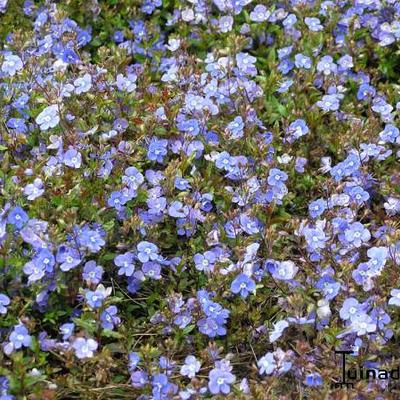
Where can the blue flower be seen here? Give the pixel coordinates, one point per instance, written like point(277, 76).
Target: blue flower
point(314, 24)
point(283, 270)
point(317, 208)
point(4, 382)
point(20, 337)
point(94, 298)
point(125, 264)
point(178, 210)
point(109, 317)
point(173, 44)
point(84, 348)
point(362, 274)
point(84, 84)
point(250, 225)
point(68, 257)
point(245, 63)
point(390, 134)
point(84, 36)
point(358, 195)
point(72, 158)
point(126, 84)
point(356, 234)
point(365, 92)
point(380, 316)
point(215, 310)
point(17, 217)
point(34, 190)
point(133, 178)
point(48, 118)
point(326, 65)
point(276, 177)
point(302, 61)
point(35, 272)
point(392, 206)
point(235, 128)
point(156, 205)
point(395, 299)
point(300, 164)
point(4, 302)
point(157, 149)
point(90, 239)
point(139, 379)
point(278, 330)
point(329, 102)
point(118, 36)
point(316, 238)
point(243, 284)
point(183, 320)
point(345, 62)
point(259, 13)
point(44, 258)
point(285, 86)
point(378, 257)
point(134, 359)
point(220, 381)
point(313, 379)
point(117, 200)
point(11, 64)
point(225, 161)
point(285, 52)
point(362, 324)
point(380, 106)
point(297, 129)
point(190, 367)
point(330, 288)
point(285, 66)
point(181, 183)
point(350, 308)
point(147, 251)
point(162, 388)
point(18, 124)
point(152, 270)
point(190, 126)
point(289, 21)
point(267, 364)
point(120, 125)
point(92, 273)
point(205, 262)
point(67, 330)
point(210, 327)
point(69, 56)
point(225, 23)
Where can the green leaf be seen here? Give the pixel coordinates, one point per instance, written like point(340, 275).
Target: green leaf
point(111, 334)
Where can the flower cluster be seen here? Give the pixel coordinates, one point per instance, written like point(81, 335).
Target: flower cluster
point(198, 198)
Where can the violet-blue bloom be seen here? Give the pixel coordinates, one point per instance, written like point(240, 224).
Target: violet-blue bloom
point(17, 217)
point(243, 284)
point(4, 302)
point(220, 381)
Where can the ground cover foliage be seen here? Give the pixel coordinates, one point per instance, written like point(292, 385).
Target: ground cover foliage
point(199, 199)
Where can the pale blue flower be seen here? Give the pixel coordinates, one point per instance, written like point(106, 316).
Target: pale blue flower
point(11, 64)
point(48, 118)
point(83, 84)
point(84, 348)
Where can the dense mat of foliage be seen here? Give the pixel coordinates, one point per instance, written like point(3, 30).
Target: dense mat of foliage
point(199, 198)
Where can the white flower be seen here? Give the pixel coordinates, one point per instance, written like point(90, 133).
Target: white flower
point(173, 44)
point(323, 310)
